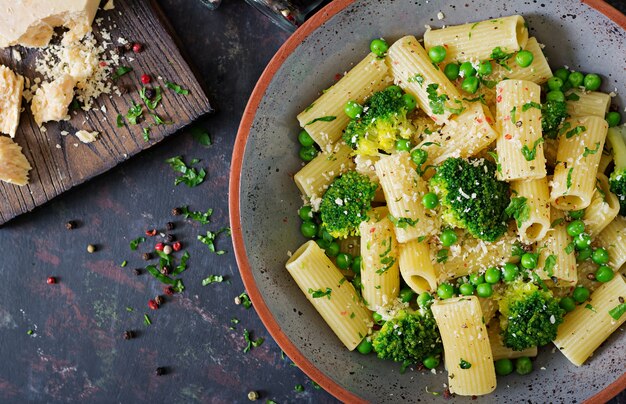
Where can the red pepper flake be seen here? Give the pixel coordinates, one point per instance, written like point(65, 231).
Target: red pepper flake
point(168, 290)
point(159, 246)
point(177, 246)
point(51, 280)
point(508, 136)
point(146, 79)
point(153, 304)
point(489, 120)
point(499, 98)
point(338, 76)
point(479, 120)
point(103, 63)
point(373, 229)
point(137, 47)
point(151, 233)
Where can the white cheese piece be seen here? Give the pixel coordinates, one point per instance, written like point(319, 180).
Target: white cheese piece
point(31, 23)
point(13, 164)
point(11, 86)
point(109, 5)
point(87, 137)
point(51, 101)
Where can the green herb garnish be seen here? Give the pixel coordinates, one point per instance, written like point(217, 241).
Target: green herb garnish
point(135, 243)
point(146, 134)
point(120, 71)
point(135, 112)
point(201, 136)
point(154, 101)
point(463, 364)
point(120, 120)
point(518, 208)
point(436, 102)
point(617, 311)
point(316, 294)
point(245, 300)
point(250, 343)
point(190, 176)
point(589, 151)
point(576, 131)
point(530, 105)
point(183, 264)
point(212, 279)
point(202, 218)
point(569, 178)
point(549, 265)
point(530, 154)
point(146, 320)
point(329, 118)
point(178, 89)
point(209, 239)
point(402, 222)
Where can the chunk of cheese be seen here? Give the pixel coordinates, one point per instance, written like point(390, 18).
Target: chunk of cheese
point(86, 136)
point(13, 164)
point(31, 23)
point(51, 101)
point(11, 87)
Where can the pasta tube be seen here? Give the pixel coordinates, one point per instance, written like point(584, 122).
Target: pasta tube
point(603, 208)
point(416, 268)
point(533, 216)
point(315, 177)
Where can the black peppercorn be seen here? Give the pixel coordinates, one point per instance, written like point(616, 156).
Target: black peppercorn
point(149, 93)
point(137, 271)
point(160, 371)
point(169, 238)
point(71, 225)
point(177, 211)
point(128, 47)
point(169, 226)
point(146, 256)
point(129, 335)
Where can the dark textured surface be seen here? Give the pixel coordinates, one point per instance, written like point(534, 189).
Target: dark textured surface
point(77, 351)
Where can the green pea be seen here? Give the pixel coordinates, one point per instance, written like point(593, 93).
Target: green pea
point(403, 145)
point(604, 274)
point(308, 229)
point(510, 272)
point(567, 303)
point(377, 318)
point(492, 275)
point(523, 365)
point(503, 367)
point(448, 237)
point(332, 250)
point(406, 295)
point(575, 228)
point(529, 260)
point(419, 156)
point(524, 58)
point(343, 260)
point(577, 214)
point(305, 212)
point(555, 83)
point(600, 256)
point(365, 347)
point(396, 90)
point(409, 102)
point(424, 299)
point(484, 290)
point(451, 71)
point(613, 118)
point(555, 95)
point(379, 47)
point(307, 153)
point(484, 68)
point(445, 291)
point(356, 264)
point(467, 70)
point(430, 200)
point(582, 241)
point(437, 53)
point(575, 79)
point(305, 139)
point(562, 73)
point(431, 362)
point(470, 84)
point(353, 109)
point(584, 254)
point(580, 294)
point(592, 82)
point(466, 289)
point(476, 279)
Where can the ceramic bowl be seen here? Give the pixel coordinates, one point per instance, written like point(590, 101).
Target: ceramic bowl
point(588, 36)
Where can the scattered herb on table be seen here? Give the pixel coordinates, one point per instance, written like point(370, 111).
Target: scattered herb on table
point(134, 113)
point(209, 239)
point(251, 343)
point(30, 332)
point(201, 136)
point(212, 279)
point(124, 263)
point(189, 176)
point(202, 218)
point(151, 102)
point(146, 320)
point(146, 134)
point(120, 71)
point(135, 243)
point(244, 300)
point(120, 120)
point(299, 388)
point(159, 121)
point(129, 309)
point(178, 89)
point(183, 264)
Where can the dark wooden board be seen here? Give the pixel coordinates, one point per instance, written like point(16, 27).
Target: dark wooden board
point(59, 168)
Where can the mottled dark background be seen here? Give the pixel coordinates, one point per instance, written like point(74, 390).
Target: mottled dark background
point(76, 352)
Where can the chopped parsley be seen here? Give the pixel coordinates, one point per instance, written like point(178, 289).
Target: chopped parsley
point(589, 151)
point(569, 178)
point(572, 97)
point(209, 239)
point(442, 255)
point(245, 300)
point(201, 136)
point(30, 332)
point(120, 120)
point(183, 264)
point(190, 176)
point(154, 101)
point(548, 266)
point(530, 105)
point(212, 279)
point(146, 320)
point(495, 157)
point(570, 248)
point(530, 154)
point(146, 134)
point(463, 364)
point(588, 306)
point(480, 98)
point(177, 284)
point(202, 218)
point(513, 111)
point(120, 71)
point(329, 118)
point(134, 113)
point(124, 263)
point(316, 294)
point(159, 121)
point(617, 311)
point(418, 78)
point(178, 89)
point(500, 57)
point(436, 102)
point(135, 243)
point(576, 131)
point(299, 388)
point(250, 343)
point(402, 222)
point(557, 222)
point(518, 208)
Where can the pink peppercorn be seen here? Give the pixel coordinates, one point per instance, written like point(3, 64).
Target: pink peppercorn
point(146, 79)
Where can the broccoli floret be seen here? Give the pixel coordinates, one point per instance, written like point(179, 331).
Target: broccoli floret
point(552, 115)
point(530, 316)
point(409, 337)
point(471, 197)
point(346, 203)
point(617, 181)
point(383, 121)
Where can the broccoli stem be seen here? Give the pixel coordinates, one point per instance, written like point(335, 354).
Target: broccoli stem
point(617, 138)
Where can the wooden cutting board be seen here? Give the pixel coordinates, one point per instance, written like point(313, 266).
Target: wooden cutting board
point(61, 162)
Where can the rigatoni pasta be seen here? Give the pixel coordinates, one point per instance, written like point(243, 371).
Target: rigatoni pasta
point(557, 261)
point(585, 103)
point(603, 208)
point(314, 178)
point(533, 218)
point(416, 268)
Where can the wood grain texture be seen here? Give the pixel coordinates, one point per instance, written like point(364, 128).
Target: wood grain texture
point(61, 162)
